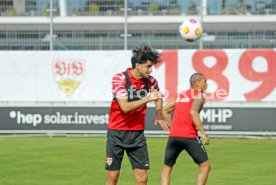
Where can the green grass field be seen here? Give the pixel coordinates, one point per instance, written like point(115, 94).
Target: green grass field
point(80, 161)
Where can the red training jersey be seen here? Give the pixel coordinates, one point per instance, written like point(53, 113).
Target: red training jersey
point(182, 123)
point(134, 120)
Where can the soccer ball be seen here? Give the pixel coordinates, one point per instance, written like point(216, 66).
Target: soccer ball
point(190, 30)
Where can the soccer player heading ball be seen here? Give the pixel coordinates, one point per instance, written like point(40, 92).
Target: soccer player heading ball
point(132, 90)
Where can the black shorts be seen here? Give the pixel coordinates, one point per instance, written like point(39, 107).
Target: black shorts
point(133, 142)
point(193, 146)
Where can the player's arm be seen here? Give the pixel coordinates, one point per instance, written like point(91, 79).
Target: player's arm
point(159, 118)
point(120, 92)
point(130, 106)
point(167, 109)
point(194, 112)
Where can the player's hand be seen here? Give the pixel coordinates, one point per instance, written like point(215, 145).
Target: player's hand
point(163, 124)
point(206, 140)
point(154, 95)
point(161, 121)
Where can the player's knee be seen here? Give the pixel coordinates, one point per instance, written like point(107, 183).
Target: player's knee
point(142, 178)
point(166, 170)
point(205, 166)
point(113, 177)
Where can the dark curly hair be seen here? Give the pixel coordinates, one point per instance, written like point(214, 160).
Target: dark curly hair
point(142, 53)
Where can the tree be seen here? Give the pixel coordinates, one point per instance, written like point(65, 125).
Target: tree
point(241, 7)
point(75, 10)
point(153, 8)
point(10, 12)
point(93, 9)
point(192, 9)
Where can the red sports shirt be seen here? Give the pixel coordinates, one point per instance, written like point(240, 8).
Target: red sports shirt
point(134, 120)
point(182, 123)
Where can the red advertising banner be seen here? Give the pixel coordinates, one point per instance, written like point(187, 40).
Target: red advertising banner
point(233, 75)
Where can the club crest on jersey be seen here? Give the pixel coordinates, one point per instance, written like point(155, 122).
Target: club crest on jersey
point(109, 161)
point(68, 74)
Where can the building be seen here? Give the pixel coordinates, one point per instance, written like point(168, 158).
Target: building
point(100, 25)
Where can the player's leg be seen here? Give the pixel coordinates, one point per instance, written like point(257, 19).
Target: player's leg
point(165, 176)
point(114, 157)
point(137, 152)
point(173, 149)
point(139, 160)
point(112, 177)
point(141, 176)
point(204, 169)
point(197, 151)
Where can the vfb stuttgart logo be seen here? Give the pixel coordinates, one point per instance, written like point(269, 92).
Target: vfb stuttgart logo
point(68, 74)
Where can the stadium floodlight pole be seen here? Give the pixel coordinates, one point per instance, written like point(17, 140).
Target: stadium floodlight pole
point(125, 25)
point(51, 25)
point(201, 20)
point(203, 11)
